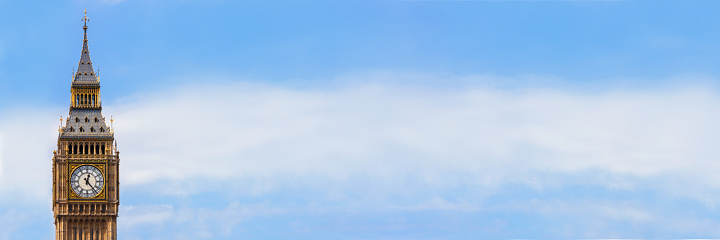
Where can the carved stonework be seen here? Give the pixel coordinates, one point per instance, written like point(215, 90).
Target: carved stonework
point(86, 163)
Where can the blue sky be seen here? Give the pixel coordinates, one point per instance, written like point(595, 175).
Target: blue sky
point(376, 119)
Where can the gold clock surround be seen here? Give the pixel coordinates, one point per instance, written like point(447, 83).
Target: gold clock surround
point(72, 196)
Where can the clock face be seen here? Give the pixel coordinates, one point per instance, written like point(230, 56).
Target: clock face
point(87, 181)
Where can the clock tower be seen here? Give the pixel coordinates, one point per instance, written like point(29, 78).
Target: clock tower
point(85, 192)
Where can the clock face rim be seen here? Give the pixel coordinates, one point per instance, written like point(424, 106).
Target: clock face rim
point(94, 175)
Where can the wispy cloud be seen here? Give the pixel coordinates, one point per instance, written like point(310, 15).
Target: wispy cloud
point(25, 161)
point(372, 147)
point(1, 157)
point(146, 215)
point(188, 222)
point(261, 131)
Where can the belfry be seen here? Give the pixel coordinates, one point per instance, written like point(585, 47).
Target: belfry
point(86, 163)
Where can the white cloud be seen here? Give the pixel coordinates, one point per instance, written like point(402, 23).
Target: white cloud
point(187, 222)
point(1, 157)
point(26, 151)
point(440, 203)
point(387, 133)
point(358, 142)
point(382, 131)
point(144, 215)
point(612, 218)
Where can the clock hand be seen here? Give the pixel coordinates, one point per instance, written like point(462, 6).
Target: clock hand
point(87, 181)
point(90, 185)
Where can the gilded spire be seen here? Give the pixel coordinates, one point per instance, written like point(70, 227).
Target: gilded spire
point(85, 19)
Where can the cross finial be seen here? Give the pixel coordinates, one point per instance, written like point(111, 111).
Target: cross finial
point(85, 18)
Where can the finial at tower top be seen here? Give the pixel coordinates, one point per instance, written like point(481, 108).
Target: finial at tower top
point(85, 19)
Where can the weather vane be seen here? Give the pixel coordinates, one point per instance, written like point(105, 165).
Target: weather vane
point(85, 18)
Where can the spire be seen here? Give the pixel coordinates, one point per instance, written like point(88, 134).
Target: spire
point(85, 120)
point(85, 74)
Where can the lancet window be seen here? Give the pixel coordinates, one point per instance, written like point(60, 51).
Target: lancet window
point(86, 148)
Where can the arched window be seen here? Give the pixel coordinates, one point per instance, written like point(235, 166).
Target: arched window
point(77, 119)
point(81, 129)
point(87, 120)
point(75, 148)
point(102, 147)
point(96, 120)
point(92, 129)
point(72, 129)
point(69, 150)
point(86, 148)
point(102, 129)
point(97, 148)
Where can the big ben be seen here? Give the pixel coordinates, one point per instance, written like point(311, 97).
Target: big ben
point(86, 163)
